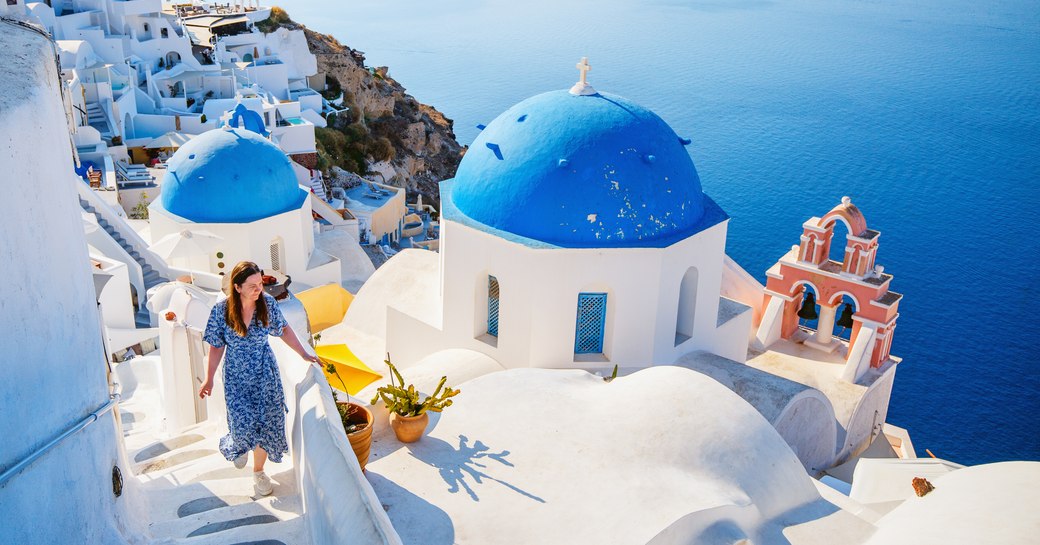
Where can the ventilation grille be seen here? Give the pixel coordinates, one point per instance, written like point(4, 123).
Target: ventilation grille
point(276, 257)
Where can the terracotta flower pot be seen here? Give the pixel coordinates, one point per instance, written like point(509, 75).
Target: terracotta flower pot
point(409, 429)
point(361, 440)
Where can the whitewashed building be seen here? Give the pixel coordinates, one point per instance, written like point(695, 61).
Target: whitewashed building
point(237, 186)
point(99, 452)
point(576, 234)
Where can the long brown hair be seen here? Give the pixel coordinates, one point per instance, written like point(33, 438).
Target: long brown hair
point(233, 315)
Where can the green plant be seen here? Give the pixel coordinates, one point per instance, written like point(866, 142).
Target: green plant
point(278, 18)
point(612, 375)
point(346, 410)
point(346, 415)
point(405, 400)
point(140, 210)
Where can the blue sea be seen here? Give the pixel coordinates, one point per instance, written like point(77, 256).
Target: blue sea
point(926, 113)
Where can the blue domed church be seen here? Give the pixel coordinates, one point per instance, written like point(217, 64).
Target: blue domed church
point(237, 192)
point(576, 233)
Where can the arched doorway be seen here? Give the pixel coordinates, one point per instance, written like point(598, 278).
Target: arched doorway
point(173, 58)
point(687, 311)
point(128, 127)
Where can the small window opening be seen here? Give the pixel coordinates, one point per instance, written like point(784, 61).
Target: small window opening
point(492, 325)
point(591, 322)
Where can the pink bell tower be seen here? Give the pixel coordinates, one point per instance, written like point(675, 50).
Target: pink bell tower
point(856, 276)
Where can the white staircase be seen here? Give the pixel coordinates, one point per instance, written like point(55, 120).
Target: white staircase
point(96, 118)
point(318, 187)
point(151, 276)
point(196, 496)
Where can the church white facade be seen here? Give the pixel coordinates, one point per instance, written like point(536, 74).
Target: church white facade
point(237, 193)
point(576, 234)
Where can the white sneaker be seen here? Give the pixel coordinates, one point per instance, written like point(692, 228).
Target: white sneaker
point(240, 462)
point(262, 483)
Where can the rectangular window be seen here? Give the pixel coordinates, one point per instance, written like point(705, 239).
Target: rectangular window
point(591, 321)
point(165, 33)
point(492, 325)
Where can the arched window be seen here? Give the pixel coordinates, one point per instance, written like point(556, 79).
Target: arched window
point(687, 310)
point(492, 323)
point(591, 322)
point(839, 240)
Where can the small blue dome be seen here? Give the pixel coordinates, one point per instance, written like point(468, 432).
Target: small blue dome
point(230, 176)
point(582, 171)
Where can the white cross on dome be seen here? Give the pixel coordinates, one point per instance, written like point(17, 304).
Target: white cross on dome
point(583, 88)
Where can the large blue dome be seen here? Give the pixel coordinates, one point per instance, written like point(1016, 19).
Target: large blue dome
point(581, 171)
point(230, 176)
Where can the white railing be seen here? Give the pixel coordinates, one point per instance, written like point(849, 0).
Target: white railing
point(340, 505)
point(119, 224)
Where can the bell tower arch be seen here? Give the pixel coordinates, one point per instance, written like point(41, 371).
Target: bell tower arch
point(856, 288)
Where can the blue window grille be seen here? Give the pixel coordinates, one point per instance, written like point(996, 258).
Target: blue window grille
point(492, 306)
point(592, 317)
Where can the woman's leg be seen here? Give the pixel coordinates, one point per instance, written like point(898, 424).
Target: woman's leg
point(259, 458)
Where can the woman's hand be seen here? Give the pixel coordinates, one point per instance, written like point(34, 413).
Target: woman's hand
point(206, 389)
point(312, 359)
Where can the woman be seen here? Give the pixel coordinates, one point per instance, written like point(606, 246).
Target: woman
point(252, 386)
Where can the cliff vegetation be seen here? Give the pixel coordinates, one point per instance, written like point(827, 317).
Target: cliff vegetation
point(384, 134)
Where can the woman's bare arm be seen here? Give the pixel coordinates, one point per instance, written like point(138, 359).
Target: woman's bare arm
point(214, 361)
point(290, 338)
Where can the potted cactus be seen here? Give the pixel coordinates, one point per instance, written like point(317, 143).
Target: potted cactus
point(408, 414)
point(356, 419)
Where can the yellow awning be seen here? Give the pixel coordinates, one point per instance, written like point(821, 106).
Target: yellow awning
point(353, 373)
point(325, 305)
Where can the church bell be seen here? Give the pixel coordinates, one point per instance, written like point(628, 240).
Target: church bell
point(808, 310)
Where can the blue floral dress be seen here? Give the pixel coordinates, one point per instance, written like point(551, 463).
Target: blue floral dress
point(252, 386)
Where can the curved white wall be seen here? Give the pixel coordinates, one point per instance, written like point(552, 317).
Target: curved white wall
point(869, 417)
point(807, 424)
point(53, 361)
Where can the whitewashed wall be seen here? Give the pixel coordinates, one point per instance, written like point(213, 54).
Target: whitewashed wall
point(274, 78)
point(252, 242)
point(539, 294)
point(116, 304)
point(54, 369)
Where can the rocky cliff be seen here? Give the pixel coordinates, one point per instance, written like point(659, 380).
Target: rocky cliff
point(424, 149)
point(386, 135)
